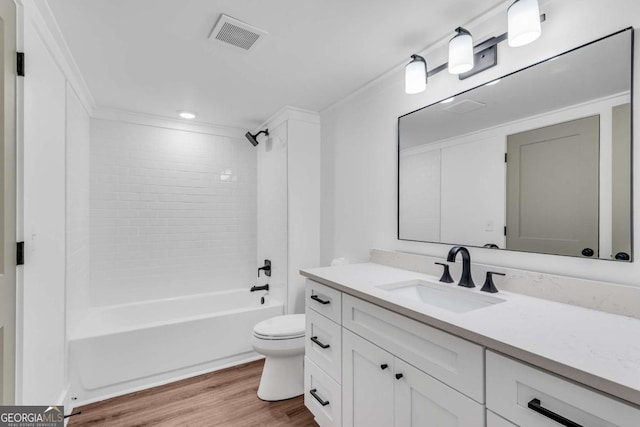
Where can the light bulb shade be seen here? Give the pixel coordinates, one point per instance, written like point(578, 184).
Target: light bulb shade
point(523, 20)
point(415, 75)
point(461, 52)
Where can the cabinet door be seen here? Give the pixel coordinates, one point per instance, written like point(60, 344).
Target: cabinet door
point(367, 383)
point(421, 400)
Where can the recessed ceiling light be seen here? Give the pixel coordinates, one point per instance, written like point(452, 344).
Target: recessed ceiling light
point(495, 82)
point(187, 115)
point(448, 100)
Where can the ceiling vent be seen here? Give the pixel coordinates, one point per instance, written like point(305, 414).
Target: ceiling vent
point(465, 106)
point(236, 33)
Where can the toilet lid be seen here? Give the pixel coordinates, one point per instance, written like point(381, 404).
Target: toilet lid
point(291, 325)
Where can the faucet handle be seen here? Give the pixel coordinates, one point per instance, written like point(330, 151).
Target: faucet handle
point(266, 268)
point(446, 276)
point(489, 286)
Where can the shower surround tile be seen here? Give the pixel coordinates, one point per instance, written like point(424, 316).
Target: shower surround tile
point(172, 213)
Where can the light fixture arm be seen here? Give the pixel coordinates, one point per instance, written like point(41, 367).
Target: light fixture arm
point(266, 132)
point(487, 44)
point(461, 30)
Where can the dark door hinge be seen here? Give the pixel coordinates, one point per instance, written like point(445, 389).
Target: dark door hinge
point(505, 230)
point(505, 157)
point(20, 253)
point(20, 64)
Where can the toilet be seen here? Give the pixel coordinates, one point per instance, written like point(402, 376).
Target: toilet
point(281, 340)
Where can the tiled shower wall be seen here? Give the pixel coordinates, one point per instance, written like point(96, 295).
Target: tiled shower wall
point(173, 213)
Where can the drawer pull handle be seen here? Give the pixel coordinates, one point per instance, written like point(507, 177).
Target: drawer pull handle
point(318, 398)
point(320, 300)
point(535, 405)
point(317, 341)
point(384, 366)
point(398, 376)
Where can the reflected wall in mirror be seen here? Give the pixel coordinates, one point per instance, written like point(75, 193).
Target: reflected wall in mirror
point(538, 161)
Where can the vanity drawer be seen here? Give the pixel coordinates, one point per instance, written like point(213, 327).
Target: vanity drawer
point(322, 395)
point(452, 360)
point(513, 388)
point(324, 344)
point(324, 300)
point(495, 421)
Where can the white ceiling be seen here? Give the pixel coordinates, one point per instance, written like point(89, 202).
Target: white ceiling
point(154, 57)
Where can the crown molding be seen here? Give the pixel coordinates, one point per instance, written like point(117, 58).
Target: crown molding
point(45, 23)
point(153, 120)
point(290, 113)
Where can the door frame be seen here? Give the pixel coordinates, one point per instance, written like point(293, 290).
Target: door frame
point(9, 8)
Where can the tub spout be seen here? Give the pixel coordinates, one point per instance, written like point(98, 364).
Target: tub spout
point(260, 288)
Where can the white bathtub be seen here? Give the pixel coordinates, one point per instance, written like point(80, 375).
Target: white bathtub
point(118, 349)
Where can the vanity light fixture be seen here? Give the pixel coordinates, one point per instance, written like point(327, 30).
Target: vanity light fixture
point(415, 75)
point(523, 20)
point(466, 60)
point(461, 52)
point(187, 115)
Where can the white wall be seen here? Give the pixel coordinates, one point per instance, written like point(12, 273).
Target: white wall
point(78, 160)
point(42, 306)
point(473, 193)
point(359, 136)
point(173, 212)
point(273, 211)
point(304, 204)
point(420, 182)
point(289, 202)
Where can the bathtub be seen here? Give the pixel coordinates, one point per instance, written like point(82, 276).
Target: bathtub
point(118, 349)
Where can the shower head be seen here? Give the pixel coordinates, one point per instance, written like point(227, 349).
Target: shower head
point(253, 139)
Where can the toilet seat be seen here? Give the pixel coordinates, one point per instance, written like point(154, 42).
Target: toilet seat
point(281, 328)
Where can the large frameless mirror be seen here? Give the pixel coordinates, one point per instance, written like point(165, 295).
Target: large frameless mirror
point(537, 161)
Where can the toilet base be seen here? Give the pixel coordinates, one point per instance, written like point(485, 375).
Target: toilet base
point(282, 378)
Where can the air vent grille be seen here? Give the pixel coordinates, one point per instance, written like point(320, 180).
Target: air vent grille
point(236, 33)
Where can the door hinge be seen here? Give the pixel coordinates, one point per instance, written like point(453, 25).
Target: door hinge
point(505, 230)
point(20, 64)
point(505, 157)
point(20, 253)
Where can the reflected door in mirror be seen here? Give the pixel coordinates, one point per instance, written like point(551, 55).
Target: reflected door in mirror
point(552, 188)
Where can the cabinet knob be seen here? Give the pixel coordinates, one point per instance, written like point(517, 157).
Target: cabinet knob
point(588, 252)
point(384, 366)
point(398, 376)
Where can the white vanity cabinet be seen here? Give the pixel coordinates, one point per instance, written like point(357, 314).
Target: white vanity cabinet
point(529, 397)
point(379, 389)
point(368, 381)
point(378, 368)
point(323, 354)
point(452, 360)
point(387, 370)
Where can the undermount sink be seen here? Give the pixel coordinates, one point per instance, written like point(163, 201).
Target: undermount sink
point(448, 297)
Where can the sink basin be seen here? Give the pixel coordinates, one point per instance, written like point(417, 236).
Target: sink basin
point(448, 297)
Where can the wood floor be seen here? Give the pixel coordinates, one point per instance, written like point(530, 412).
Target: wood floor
point(223, 398)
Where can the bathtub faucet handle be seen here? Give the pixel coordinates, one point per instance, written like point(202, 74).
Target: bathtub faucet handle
point(266, 268)
point(260, 288)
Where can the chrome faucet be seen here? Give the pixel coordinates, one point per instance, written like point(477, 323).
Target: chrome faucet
point(465, 280)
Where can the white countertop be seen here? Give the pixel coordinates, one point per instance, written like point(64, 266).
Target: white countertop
point(594, 348)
